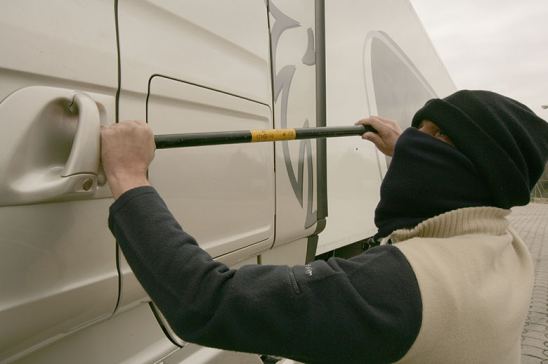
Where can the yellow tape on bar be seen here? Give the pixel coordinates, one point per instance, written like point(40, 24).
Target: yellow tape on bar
point(272, 135)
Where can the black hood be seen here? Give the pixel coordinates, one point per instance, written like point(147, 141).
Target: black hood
point(504, 139)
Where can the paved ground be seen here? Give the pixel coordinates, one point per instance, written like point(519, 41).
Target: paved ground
point(531, 222)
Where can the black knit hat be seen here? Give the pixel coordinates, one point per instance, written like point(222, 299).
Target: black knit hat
point(504, 139)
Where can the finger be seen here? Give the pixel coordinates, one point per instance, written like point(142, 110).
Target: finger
point(389, 123)
point(379, 125)
point(365, 121)
point(372, 137)
point(368, 122)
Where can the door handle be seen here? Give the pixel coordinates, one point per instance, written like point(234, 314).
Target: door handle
point(50, 146)
point(85, 152)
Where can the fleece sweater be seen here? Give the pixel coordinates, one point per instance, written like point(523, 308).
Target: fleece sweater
point(449, 291)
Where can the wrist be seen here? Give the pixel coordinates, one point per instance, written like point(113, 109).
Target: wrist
point(123, 183)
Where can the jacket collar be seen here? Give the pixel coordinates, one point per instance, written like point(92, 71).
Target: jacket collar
point(470, 220)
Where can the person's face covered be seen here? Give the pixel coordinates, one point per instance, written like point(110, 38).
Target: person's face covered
point(431, 128)
point(427, 177)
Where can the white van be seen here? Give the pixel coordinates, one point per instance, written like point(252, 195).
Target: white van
point(68, 66)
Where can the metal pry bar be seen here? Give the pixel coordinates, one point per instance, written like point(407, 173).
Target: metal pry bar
point(165, 141)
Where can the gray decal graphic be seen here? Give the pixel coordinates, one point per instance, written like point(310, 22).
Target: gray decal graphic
point(282, 86)
point(309, 57)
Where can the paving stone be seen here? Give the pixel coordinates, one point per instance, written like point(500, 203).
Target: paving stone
point(531, 223)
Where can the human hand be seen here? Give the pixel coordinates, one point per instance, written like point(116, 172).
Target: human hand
point(388, 132)
point(127, 148)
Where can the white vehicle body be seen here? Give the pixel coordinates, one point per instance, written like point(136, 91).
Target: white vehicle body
point(67, 66)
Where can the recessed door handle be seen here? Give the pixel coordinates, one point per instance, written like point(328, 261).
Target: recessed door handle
point(50, 146)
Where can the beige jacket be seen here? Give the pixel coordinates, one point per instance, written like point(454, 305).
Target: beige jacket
point(475, 277)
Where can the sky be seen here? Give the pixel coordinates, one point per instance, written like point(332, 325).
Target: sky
point(496, 45)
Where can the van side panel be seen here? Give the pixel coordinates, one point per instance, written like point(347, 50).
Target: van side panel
point(204, 66)
point(57, 262)
point(379, 61)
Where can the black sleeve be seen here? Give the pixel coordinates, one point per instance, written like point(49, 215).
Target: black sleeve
point(363, 310)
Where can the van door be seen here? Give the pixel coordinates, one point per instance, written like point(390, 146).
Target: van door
point(58, 80)
point(199, 66)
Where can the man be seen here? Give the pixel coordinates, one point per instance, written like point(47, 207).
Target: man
point(450, 284)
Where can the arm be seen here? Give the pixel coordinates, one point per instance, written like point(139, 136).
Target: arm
point(366, 309)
